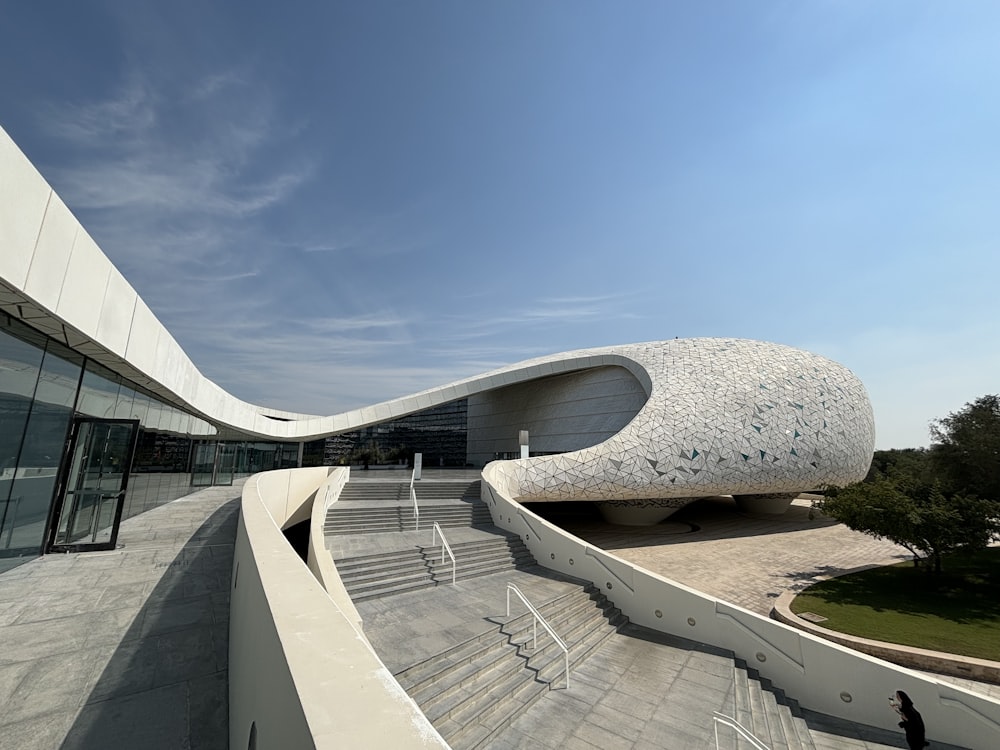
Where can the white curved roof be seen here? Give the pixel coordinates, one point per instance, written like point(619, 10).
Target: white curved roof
point(721, 414)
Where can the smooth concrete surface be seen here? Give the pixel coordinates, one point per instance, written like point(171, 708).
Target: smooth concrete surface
point(125, 648)
point(301, 675)
point(561, 413)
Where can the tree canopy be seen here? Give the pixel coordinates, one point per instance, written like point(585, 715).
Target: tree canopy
point(918, 517)
point(931, 501)
point(965, 451)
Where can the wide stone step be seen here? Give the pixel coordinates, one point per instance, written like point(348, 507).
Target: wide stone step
point(475, 723)
point(490, 561)
point(400, 490)
point(766, 712)
point(407, 522)
point(377, 527)
point(433, 667)
point(376, 520)
point(419, 580)
point(389, 558)
point(489, 682)
point(469, 660)
point(466, 549)
point(359, 576)
point(368, 511)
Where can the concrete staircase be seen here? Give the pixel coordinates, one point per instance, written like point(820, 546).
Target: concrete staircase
point(491, 686)
point(767, 712)
point(474, 690)
point(387, 573)
point(377, 507)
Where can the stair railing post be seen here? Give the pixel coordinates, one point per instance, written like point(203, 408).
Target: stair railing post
point(438, 531)
point(539, 619)
point(416, 510)
point(740, 730)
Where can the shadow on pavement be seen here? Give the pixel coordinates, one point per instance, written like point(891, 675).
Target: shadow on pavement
point(166, 685)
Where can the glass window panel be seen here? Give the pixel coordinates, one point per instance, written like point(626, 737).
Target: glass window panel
point(123, 407)
point(154, 416)
point(140, 407)
point(20, 364)
point(98, 392)
point(44, 441)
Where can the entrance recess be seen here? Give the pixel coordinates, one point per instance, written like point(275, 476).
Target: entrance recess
point(90, 510)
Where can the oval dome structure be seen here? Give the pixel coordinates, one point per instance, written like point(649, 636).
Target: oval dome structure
point(755, 420)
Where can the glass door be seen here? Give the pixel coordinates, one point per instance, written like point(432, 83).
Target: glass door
point(226, 464)
point(90, 510)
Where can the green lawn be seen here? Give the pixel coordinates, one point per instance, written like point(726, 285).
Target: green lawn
point(957, 611)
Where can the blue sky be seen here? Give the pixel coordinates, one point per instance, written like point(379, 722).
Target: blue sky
point(333, 204)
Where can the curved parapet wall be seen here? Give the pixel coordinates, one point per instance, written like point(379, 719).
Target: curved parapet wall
point(301, 674)
point(821, 675)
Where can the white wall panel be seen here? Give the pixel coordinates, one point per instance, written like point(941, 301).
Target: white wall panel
point(117, 310)
point(143, 336)
point(23, 197)
point(84, 286)
point(52, 251)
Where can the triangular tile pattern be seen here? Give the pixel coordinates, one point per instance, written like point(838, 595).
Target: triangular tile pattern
point(724, 416)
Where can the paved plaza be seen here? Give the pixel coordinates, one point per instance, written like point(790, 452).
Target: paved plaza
point(126, 648)
point(745, 559)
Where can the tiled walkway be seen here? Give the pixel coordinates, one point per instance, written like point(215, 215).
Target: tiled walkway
point(126, 648)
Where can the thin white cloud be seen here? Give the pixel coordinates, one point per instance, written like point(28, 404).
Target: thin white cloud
point(216, 82)
point(128, 112)
point(553, 311)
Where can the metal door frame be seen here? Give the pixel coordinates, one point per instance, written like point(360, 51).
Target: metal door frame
point(64, 480)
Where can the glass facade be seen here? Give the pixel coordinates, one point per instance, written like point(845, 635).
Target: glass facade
point(439, 433)
point(50, 396)
point(39, 380)
point(44, 387)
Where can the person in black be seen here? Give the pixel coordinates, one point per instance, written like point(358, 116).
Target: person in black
point(912, 723)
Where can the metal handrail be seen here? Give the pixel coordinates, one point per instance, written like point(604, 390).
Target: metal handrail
point(445, 547)
point(539, 619)
point(413, 499)
point(729, 721)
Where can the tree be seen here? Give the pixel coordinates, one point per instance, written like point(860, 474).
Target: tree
point(913, 463)
point(932, 502)
point(965, 451)
point(919, 517)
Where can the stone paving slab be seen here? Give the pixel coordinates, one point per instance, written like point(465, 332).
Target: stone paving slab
point(745, 559)
point(126, 648)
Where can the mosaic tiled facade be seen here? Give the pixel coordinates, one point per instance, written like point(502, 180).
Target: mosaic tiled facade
point(724, 417)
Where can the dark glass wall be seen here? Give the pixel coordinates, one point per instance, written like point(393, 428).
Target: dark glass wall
point(439, 433)
point(161, 469)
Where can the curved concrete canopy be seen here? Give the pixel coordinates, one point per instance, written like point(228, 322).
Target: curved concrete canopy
point(722, 416)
